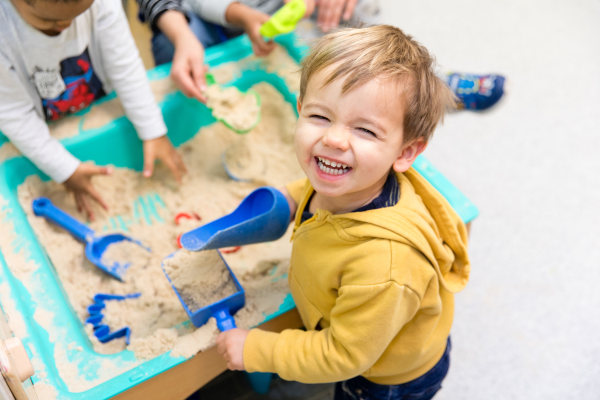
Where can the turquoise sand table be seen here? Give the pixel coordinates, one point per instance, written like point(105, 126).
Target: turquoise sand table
point(112, 144)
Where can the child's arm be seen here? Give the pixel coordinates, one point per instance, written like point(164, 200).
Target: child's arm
point(188, 69)
point(126, 74)
point(250, 20)
point(364, 321)
point(29, 133)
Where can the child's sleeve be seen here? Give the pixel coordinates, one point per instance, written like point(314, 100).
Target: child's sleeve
point(21, 124)
point(151, 10)
point(212, 11)
point(296, 189)
point(364, 321)
point(124, 69)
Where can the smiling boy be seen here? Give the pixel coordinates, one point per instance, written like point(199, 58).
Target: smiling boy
point(377, 252)
point(56, 58)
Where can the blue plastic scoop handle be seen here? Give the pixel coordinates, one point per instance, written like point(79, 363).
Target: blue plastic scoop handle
point(95, 245)
point(262, 216)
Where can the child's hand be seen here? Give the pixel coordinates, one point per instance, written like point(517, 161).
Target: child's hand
point(80, 184)
point(250, 20)
point(162, 149)
point(332, 11)
point(230, 345)
point(188, 68)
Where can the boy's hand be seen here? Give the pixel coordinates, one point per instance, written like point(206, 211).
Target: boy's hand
point(250, 20)
point(230, 345)
point(162, 149)
point(331, 11)
point(188, 68)
point(80, 183)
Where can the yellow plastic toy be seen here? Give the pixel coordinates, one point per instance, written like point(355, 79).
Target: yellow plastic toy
point(284, 20)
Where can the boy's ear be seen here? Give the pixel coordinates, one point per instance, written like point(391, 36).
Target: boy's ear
point(298, 105)
point(408, 154)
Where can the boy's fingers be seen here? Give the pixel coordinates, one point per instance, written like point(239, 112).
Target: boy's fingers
point(84, 205)
point(266, 47)
point(173, 166)
point(78, 202)
point(187, 84)
point(103, 170)
point(329, 14)
point(182, 74)
point(148, 163)
point(180, 164)
point(96, 196)
point(349, 9)
point(310, 8)
point(198, 75)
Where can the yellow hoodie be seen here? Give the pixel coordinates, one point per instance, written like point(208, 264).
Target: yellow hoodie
point(374, 290)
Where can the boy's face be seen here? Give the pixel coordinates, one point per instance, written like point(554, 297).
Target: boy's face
point(346, 143)
point(51, 17)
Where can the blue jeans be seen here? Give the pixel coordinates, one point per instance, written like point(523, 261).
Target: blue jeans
point(422, 388)
point(207, 33)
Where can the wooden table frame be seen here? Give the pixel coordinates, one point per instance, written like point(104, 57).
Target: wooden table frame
point(184, 379)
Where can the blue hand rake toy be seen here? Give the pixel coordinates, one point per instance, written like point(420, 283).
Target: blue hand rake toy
point(94, 245)
point(102, 331)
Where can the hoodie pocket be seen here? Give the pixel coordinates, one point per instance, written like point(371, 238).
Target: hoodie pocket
point(311, 316)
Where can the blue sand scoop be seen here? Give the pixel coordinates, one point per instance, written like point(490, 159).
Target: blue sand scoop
point(262, 216)
point(94, 245)
point(223, 311)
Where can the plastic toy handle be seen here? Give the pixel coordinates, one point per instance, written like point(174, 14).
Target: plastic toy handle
point(224, 320)
point(43, 207)
point(210, 78)
point(284, 20)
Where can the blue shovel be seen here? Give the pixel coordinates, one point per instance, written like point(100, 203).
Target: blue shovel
point(262, 216)
point(223, 311)
point(94, 245)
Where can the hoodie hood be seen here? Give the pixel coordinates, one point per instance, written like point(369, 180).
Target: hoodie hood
point(423, 219)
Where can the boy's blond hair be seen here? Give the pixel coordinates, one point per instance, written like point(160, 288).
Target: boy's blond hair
point(384, 51)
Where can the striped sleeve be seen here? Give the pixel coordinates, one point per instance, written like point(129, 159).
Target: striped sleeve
point(150, 10)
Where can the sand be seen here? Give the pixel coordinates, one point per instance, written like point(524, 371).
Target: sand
point(241, 111)
point(201, 278)
point(206, 191)
point(145, 209)
point(119, 257)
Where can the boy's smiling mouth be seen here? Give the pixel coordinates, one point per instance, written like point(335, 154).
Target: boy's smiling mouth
point(331, 167)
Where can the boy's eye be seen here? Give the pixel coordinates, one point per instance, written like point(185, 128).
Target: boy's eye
point(317, 116)
point(368, 132)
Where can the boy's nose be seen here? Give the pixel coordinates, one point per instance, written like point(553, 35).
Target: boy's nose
point(336, 137)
